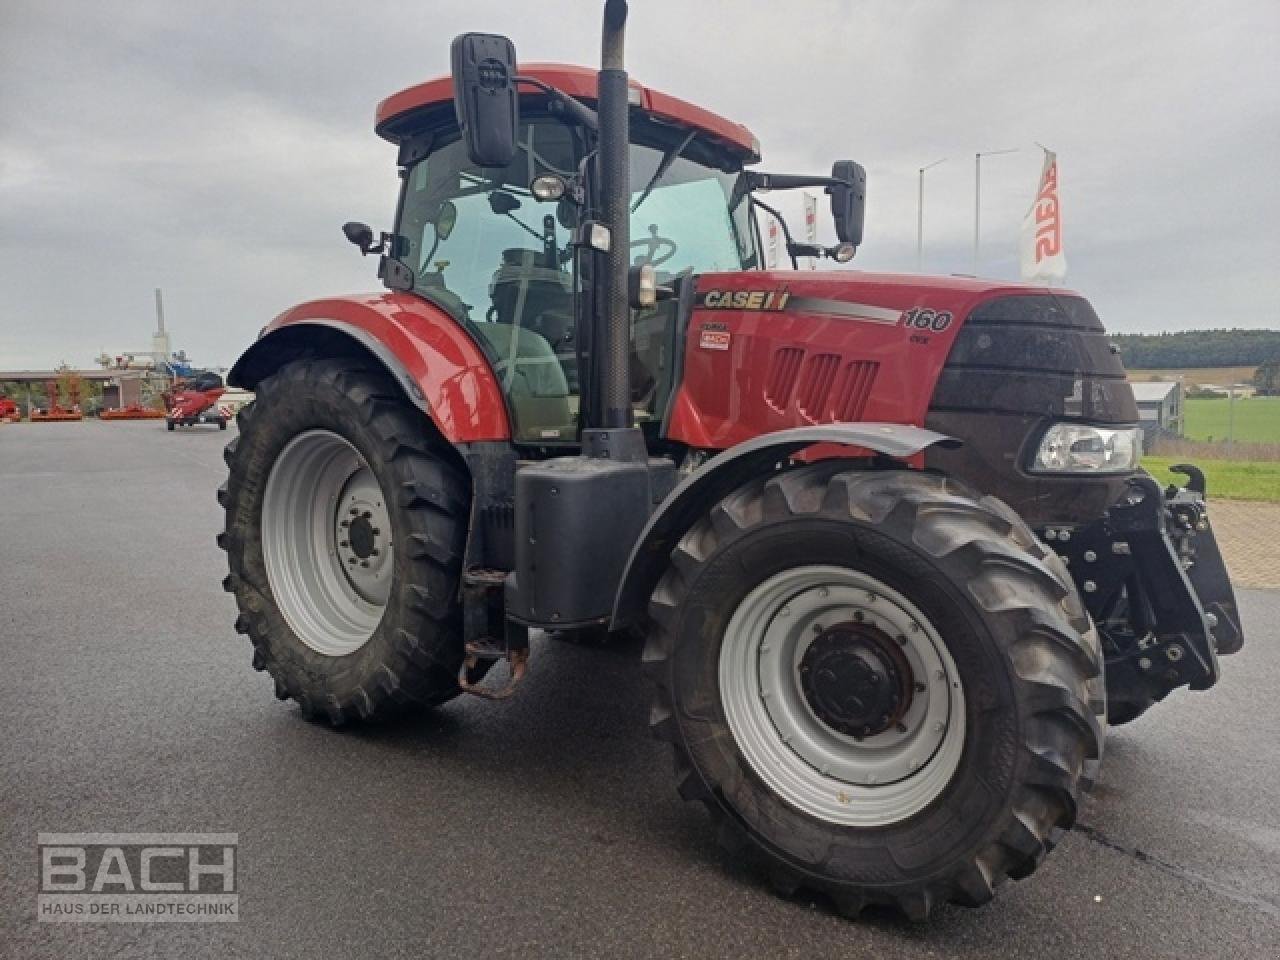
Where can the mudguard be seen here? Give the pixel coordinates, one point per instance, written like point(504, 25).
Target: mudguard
point(724, 473)
point(440, 368)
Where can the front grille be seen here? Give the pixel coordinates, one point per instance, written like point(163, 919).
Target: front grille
point(1040, 354)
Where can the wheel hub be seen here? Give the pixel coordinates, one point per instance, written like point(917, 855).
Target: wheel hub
point(362, 534)
point(363, 537)
point(856, 680)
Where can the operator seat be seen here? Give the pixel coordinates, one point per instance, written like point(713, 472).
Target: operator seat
point(525, 291)
point(532, 377)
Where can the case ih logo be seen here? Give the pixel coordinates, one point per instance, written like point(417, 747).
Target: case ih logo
point(138, 878)
point(744, 299)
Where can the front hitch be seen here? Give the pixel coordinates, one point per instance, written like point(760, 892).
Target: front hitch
point(1153, 579)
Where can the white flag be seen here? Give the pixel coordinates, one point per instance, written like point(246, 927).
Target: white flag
point(771, 251)
point(1040, 246)
point(811, 224)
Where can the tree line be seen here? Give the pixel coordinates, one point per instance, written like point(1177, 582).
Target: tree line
point(1199, 348)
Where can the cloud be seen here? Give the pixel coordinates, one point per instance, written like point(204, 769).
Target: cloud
point(214, 149)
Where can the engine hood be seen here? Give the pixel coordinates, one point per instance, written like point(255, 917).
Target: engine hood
point(811, 291)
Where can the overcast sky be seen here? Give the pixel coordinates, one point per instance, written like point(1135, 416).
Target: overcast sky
point(214, 149)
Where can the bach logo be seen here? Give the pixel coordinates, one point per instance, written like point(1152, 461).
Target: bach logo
point(138, 878)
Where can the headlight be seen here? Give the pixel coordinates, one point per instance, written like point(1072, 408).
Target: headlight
point(1080, 448)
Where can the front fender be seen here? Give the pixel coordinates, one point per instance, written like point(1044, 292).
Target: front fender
point(441, 370)
point(729, 470)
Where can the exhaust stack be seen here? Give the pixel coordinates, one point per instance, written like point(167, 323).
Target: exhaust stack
point(615, 174)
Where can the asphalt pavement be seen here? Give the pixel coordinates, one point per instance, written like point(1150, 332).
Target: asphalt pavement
point(547, 826)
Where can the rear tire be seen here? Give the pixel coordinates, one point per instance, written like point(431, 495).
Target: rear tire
point(906, 815)
point(350, 623)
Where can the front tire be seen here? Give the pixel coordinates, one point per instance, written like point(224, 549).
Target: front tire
point(883, 686)
point(345, 525)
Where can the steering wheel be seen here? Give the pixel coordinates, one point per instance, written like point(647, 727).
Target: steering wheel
point(654, 243)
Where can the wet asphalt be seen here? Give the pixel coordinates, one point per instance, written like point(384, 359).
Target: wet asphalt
point(547, 826)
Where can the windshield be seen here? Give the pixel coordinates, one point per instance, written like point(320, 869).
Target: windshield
point(685, 222)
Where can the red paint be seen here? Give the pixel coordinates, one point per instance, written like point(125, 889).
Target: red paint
point(799, 366)
point(578, 82)
point(457, 382)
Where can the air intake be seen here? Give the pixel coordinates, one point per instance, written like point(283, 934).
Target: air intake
point(783, 371)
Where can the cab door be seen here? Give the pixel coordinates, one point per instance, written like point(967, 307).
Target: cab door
point(499, 260)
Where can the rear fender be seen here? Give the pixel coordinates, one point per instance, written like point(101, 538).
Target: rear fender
point(436, 364)
point(730, 470)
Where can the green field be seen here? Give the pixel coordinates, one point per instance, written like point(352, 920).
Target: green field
point(1218, 376)
point(1257, 419)
point(1227, 479)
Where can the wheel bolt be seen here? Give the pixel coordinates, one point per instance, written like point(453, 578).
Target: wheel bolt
point(859, 616)
point(345, 523)
point(355, 511)
point(345, 543)
point(364, 563)
point(368, 515)
point(902, 640)
point(373, 552)
point(901, 728)
point(376, 532)
point(351, 559)
point(919, 687)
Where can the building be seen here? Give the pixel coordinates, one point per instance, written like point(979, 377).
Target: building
point(1161, 408)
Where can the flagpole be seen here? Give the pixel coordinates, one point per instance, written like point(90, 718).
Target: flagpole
point(977, 198)
point(920, 216)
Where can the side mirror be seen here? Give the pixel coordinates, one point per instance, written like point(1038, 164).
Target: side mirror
point(446, 219)
point(501, 202)
point(361, 234)
point(485, 98)
point(848, 200)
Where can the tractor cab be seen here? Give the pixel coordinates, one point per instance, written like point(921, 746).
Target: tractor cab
point(495, 246)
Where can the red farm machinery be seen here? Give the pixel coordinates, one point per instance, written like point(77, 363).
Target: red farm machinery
point(194, 401)
point(53, 411)
point(887, 537)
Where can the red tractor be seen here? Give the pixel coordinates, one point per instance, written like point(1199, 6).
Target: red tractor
point(888, 536)
point(9, 411)
point(195, 401)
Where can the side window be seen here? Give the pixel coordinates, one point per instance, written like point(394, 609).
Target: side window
point(482, 245)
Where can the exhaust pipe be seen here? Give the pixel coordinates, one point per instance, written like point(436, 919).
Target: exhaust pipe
point(615, 182)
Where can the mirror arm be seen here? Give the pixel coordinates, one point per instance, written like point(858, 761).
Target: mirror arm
point(575, 108)
point(786, 231)
point(756, 180)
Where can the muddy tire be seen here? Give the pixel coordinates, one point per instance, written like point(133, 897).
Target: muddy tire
point(884, 688)
point(345, 524)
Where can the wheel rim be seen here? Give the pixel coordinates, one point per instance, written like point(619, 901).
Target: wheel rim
point(326, 541)
point(814, 743)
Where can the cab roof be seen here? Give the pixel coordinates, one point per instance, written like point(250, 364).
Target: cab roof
point(578, 82)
